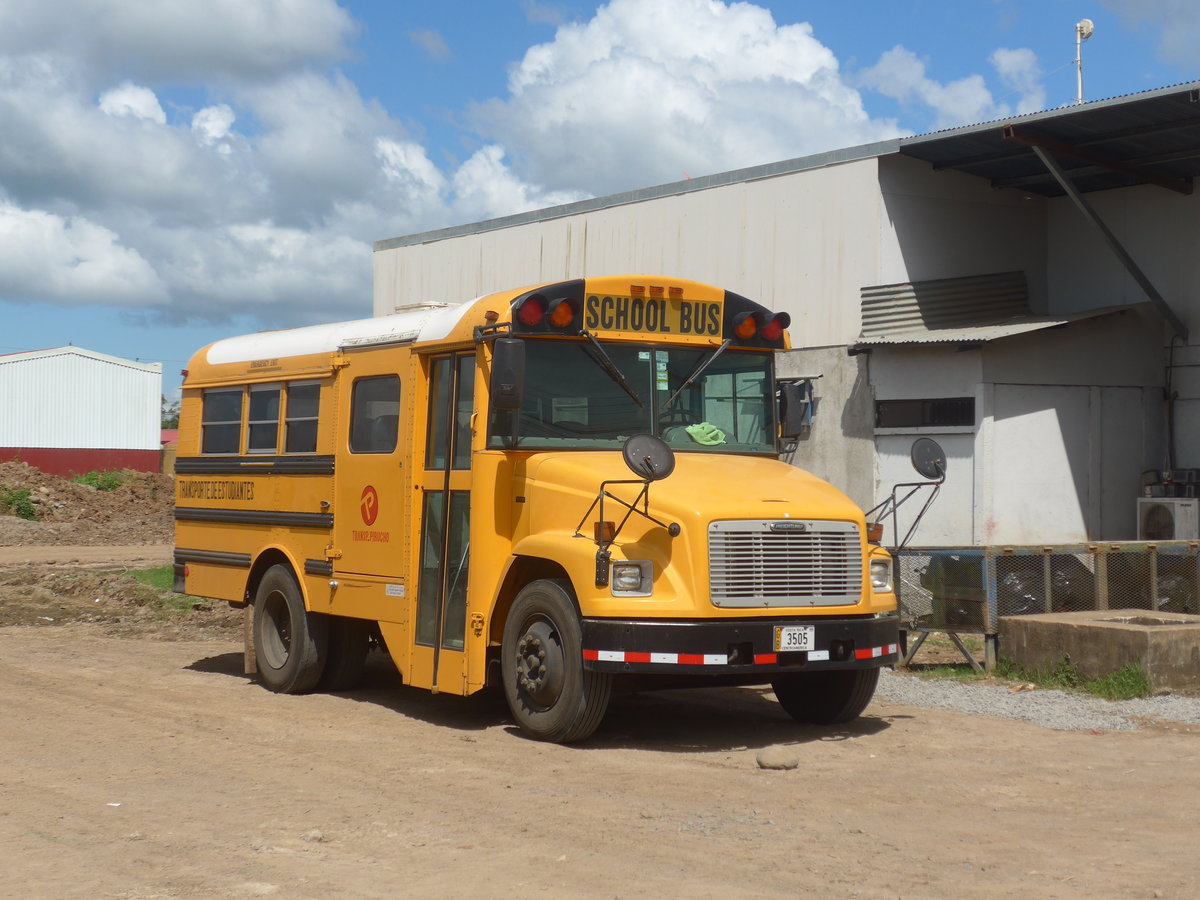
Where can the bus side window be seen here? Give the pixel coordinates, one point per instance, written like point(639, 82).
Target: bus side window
point(221, 421)
point(300, 426)
point(375, 414)
point(263, 420)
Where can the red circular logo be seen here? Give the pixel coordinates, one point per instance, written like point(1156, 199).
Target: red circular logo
point(368, 505)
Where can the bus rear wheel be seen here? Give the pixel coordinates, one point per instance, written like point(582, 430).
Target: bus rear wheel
point(826, 698)
point(551, 696)
point(289, 641)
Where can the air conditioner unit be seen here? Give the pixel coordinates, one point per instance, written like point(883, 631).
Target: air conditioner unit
point(1168, 519)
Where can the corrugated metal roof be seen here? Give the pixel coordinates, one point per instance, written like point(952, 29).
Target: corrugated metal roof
point(71, 350)
point(1144, 138)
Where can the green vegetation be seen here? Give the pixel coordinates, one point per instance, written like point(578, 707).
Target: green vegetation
point(101, 481)
point(161, 580)
point(162, 577)
point(1126, 683)
point(16, 501)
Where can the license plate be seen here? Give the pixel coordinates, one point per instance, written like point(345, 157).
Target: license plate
point(794, 637)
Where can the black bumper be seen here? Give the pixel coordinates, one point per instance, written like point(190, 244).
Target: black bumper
point(736, 646)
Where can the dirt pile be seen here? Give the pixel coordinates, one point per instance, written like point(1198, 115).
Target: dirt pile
point(138, 511)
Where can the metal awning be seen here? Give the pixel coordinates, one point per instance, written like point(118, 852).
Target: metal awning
point(1147, 138)
point(964, 311)
point(970, 335)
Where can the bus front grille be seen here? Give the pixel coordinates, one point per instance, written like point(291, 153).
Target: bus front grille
point(785, 562)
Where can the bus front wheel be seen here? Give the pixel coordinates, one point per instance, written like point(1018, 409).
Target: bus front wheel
point(826, 698)
point(551, 695)
point(289, 641)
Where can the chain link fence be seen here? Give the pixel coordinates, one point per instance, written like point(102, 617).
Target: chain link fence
point(968, 589)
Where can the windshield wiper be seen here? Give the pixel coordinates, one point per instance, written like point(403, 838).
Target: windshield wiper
point(610, 369)
point(700, 369)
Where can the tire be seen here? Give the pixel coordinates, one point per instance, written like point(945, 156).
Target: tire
point(289, 641)
point(826, 698)
point(551, 696)
point(346, 657)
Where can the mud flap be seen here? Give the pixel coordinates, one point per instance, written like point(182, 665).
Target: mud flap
point(250, 660)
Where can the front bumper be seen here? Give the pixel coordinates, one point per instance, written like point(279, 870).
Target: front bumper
point(736, 646)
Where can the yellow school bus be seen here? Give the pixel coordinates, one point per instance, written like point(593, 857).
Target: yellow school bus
point(571, 488)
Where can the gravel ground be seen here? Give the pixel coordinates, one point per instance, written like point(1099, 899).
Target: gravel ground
point(1049, 709)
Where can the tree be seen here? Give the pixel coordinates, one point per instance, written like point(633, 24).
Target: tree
point(170, 413)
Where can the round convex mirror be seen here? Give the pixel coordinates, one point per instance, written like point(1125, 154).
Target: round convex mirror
point(648, 457)
point(928, 458)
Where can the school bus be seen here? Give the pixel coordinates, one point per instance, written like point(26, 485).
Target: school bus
point(565, 489)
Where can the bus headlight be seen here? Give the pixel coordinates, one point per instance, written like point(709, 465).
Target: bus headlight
point(881, 575)
point(631, 578)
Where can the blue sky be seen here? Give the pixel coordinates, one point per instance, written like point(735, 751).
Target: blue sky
point(176, 172)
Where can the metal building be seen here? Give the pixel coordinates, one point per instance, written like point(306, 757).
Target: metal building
point(70, 410)
point(1021, 290)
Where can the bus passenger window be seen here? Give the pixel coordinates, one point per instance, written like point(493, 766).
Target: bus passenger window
point(375, 414)
point(263, 419)
point(221, 421)
point(300, 429)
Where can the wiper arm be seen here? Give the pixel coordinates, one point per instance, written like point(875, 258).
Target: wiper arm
point(610, 368)
point(700, 369)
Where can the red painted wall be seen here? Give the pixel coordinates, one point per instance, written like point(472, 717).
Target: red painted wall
point(64, 461)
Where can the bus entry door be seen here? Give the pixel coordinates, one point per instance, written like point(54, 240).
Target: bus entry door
point(439, 657)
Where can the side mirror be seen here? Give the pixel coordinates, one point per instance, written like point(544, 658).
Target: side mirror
point(508, 373)
point(793, 409)
point(648, 457)
point(928, 459)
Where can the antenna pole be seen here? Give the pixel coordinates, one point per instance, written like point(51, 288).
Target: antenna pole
point(1084, 29)
point(1078, 64)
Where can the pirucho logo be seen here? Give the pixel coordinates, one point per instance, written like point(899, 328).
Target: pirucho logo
point(368, 505)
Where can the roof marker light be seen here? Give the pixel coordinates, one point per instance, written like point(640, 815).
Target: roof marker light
point(745, 326)
point(532, 310)
point(773, 330)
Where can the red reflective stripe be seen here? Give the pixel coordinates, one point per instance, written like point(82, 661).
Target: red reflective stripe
point(691, 659)
point(765, 659)
point(631, 656)
point(591, 654)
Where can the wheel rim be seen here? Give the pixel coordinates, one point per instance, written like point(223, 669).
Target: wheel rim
point(541, 666)
point(277, 635)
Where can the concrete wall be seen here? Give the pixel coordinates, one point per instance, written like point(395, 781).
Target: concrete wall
point(840, 446)
point(1066, 419)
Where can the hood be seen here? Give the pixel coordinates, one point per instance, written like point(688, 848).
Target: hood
point(702, 488)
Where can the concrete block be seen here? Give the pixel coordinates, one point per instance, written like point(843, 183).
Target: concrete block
point(1167, 645)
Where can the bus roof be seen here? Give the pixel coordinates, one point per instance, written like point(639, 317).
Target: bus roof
point(426, 321)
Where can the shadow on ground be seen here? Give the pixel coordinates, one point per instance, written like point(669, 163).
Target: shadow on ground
point(687, 720)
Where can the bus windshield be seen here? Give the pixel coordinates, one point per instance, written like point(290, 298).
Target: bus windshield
point(574, 399)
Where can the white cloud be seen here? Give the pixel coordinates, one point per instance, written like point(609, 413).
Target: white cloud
point(484, 187)
point(650, 89)
point(178, 40)
point(1179, 21)
point(71, 260)
point(901, 75)
point(213, 123)
point(1020, 72)
point(129, 99)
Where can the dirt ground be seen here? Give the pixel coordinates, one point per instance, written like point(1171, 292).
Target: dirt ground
point(137, 761)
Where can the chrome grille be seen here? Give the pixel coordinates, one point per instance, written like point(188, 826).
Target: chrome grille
point(786, 562)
